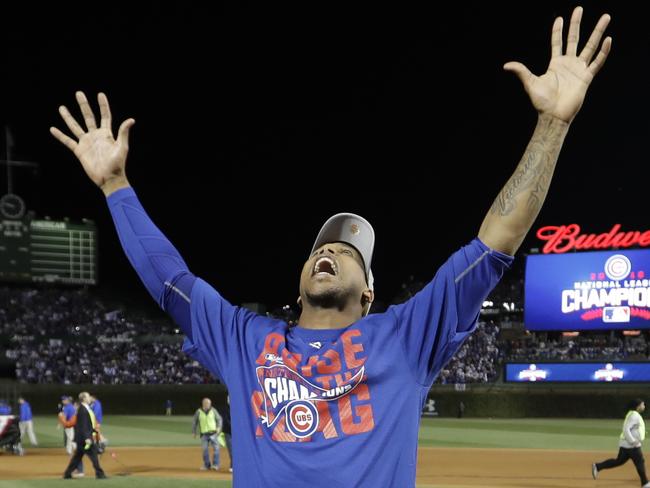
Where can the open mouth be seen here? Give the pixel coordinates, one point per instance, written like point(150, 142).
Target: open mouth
point(325, 265)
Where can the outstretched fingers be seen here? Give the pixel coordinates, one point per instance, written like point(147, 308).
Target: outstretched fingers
point(65, 140)
point(105, 111)
point(522, 72)
point(86, 111)
point(574, 32)
point(70, 121)
point(598, 63)
point(594, 40)
point(123, 132)
point(556, 37)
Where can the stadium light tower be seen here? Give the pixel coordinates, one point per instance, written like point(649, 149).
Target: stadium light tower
point(11, 205)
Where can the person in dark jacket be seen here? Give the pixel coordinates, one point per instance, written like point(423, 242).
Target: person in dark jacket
point(226, 428)
point(84, 437)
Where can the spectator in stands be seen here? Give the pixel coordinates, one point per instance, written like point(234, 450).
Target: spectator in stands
point(54, 331)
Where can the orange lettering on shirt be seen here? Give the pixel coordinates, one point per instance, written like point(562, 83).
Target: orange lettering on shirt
point(350, 349)
point(257, 399)
point(332, 357)
point(308, 369)
point(363, 419)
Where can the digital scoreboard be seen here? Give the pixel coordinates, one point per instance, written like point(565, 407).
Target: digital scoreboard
point(48, 251)
point(600, 290)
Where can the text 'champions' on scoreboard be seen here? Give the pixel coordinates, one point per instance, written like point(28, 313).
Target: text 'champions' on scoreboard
point(588, 291)
point(48, 251)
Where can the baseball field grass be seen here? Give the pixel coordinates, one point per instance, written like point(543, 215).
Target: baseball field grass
point(437, 436)
point(175, 431)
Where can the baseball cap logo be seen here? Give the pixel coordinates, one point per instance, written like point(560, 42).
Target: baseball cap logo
point(354, 229)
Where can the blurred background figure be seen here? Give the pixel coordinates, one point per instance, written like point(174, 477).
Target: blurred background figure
point(461, 410)
point(209, 423)
point(10, 435)
point(168, 407)
point(66, 413)
point(68, 419)
point(96, 407)
point(227, 430)
point(630, 442)
point(26, 421)
point(5, 409)
point(84, 429)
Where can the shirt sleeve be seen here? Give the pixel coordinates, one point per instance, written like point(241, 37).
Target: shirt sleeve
point(219, 331)
point(214, 329)
point(156, 261)
point(434, 323)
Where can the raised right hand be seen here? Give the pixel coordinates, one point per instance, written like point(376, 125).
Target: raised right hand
point(102, 156)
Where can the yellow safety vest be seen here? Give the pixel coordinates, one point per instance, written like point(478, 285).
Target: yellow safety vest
point(93, 419)
point(207, 422)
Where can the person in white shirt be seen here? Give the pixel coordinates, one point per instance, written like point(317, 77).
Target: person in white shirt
point(629, 443)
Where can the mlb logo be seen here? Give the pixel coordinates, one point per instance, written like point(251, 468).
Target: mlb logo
point(616, 314)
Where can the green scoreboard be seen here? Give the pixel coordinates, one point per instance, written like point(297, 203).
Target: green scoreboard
point(48, 251)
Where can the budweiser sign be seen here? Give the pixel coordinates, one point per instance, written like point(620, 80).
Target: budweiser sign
point(563, 238)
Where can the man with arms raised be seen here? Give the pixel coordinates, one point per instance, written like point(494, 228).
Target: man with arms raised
point(317, 404)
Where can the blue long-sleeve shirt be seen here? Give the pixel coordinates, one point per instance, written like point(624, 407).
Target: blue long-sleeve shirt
point(96, 407)
point(25, 412)
point(69, 411)
point(317, 407)
point(157, 262)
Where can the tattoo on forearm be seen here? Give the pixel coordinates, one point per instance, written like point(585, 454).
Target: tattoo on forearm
point(533, 175)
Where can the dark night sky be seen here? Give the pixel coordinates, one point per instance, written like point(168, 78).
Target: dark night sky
point(255, 124)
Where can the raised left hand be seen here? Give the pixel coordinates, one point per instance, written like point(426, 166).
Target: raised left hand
point(561, 90)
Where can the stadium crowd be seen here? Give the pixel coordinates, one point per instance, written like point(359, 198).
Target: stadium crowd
point(593, 347)
point(70, 335)
point(477, 361)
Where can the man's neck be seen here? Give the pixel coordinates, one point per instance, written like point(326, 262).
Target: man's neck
point(327, 318)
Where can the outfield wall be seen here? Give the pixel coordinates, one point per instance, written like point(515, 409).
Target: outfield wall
point(517, 401)
point(118, 399)
point(510, 401)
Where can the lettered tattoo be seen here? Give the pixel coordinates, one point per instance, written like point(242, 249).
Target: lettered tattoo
point(533, 175)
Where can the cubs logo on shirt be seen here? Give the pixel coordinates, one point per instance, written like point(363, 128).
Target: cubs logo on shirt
point(288, 393)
